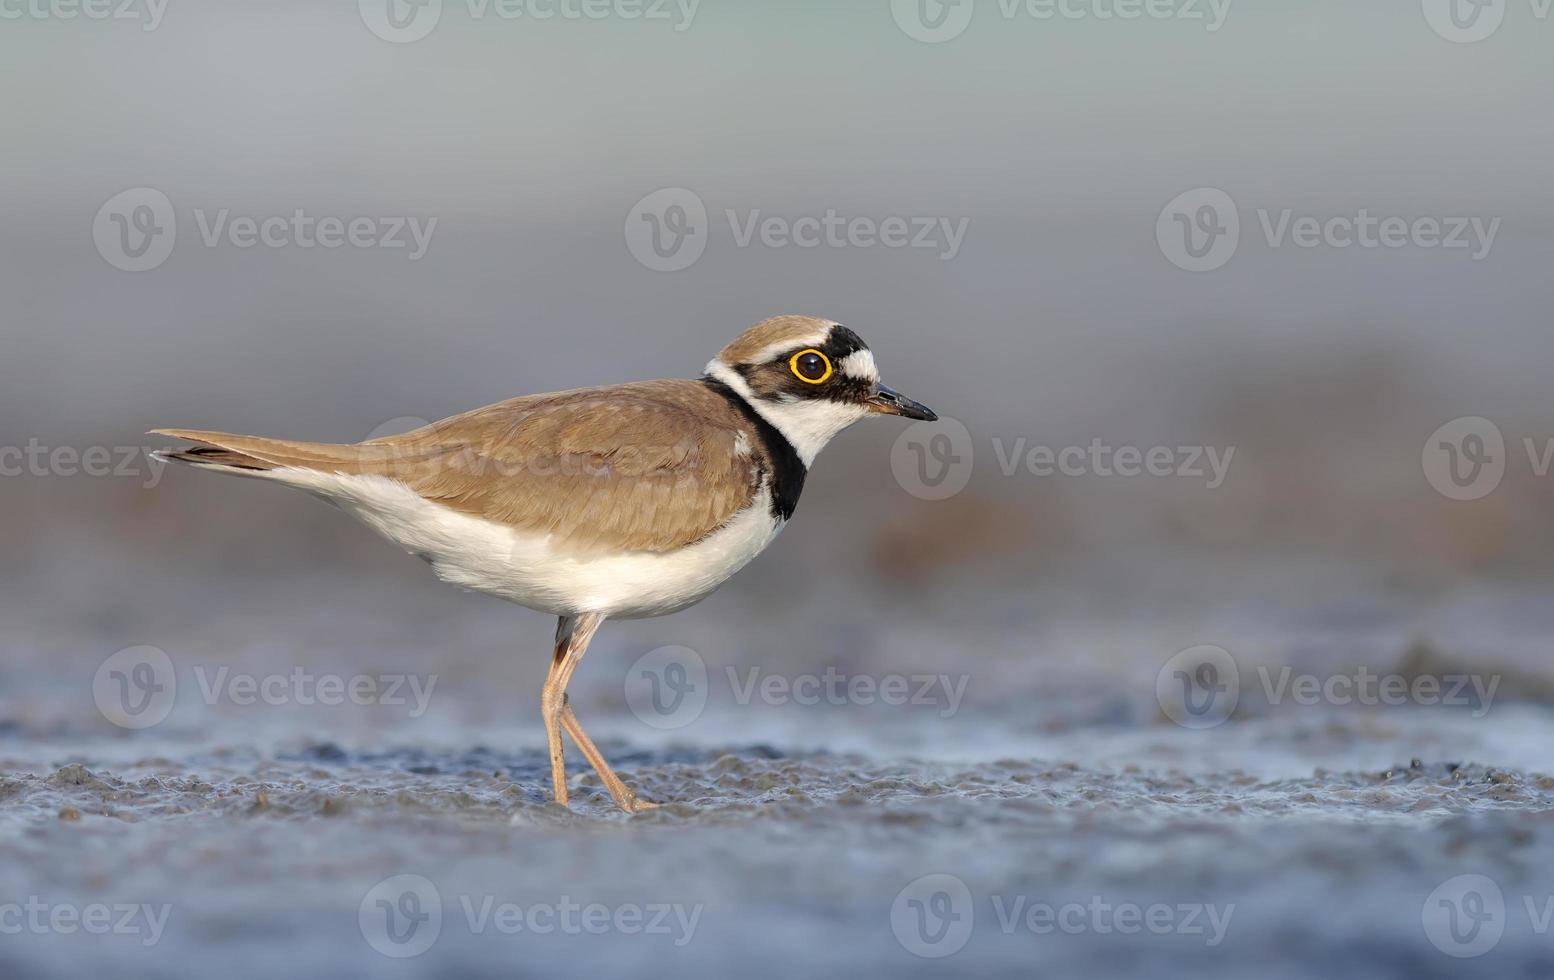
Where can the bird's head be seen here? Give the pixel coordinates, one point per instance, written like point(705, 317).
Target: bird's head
point(810, 378)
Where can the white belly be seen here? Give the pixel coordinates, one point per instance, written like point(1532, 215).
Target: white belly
point(527, 568)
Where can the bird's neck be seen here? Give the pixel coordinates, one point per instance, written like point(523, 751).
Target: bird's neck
point(806, 425)
point(785, 472)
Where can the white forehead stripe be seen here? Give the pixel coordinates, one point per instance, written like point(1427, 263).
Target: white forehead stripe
point(817, 339)
point(859, 364)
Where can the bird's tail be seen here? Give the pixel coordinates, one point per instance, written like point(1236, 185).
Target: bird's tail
point(240, 455)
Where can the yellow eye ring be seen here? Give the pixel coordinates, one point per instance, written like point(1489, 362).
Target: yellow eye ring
point(793, 365)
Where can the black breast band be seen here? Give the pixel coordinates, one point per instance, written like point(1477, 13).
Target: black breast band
point(788, 471)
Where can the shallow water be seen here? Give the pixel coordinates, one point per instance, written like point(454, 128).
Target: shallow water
point(773, 863)
point(1049, 820)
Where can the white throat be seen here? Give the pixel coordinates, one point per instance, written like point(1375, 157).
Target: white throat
point(807, 424)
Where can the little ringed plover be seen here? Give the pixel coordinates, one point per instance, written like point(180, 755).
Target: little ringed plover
point(618, 501)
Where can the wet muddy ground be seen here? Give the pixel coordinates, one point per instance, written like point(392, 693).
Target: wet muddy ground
point(1048, 820)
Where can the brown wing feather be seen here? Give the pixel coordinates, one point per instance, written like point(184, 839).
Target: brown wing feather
point(652, 466)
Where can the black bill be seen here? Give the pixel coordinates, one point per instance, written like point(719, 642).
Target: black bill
point(888, 401)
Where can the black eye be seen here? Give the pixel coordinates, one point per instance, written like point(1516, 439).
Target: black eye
point(811, 366)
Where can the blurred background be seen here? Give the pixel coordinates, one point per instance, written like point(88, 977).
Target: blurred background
point(1131, 232)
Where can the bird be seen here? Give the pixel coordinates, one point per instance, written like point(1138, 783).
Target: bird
point(611, 502)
